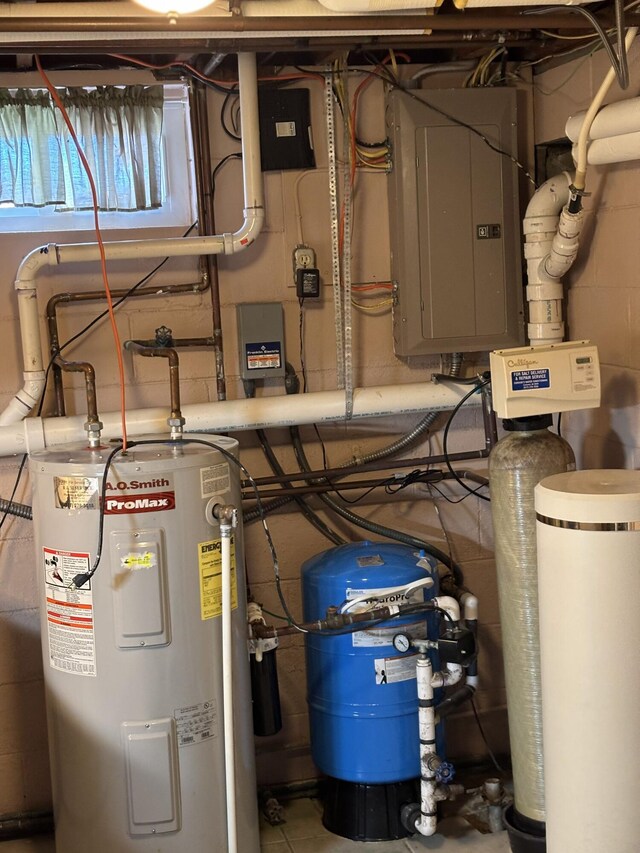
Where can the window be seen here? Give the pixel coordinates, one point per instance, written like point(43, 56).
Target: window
point(138, 143)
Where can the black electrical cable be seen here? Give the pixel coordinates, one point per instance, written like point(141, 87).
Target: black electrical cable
point(494, 760)
point(81, 579)
point(381, 530)
point(223, 118)
point(619, 63)
point(308, 513)
point(560, 424)
point(272, 549)
point(445, 436)
point(116, 304)
point(235, 155)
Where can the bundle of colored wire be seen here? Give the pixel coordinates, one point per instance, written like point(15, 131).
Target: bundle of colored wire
point(103, 259)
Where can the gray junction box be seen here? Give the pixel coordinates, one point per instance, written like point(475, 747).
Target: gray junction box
point(260, 340)
point(455, 230)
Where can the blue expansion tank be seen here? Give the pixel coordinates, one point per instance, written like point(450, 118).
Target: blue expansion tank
point(362, 692)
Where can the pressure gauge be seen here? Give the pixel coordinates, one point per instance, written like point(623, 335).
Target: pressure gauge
point(402, 643)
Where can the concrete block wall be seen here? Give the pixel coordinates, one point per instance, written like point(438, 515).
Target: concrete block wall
point(261, 274)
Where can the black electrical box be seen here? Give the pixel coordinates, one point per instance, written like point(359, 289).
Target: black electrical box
point(285, 129)
point(307, 283)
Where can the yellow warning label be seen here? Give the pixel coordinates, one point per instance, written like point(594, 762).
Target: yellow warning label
point(210, 565)
point(139, 560)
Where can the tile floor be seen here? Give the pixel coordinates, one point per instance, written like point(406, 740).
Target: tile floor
point(303, 833)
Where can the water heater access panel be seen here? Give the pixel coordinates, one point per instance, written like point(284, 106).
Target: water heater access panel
point(454, 212)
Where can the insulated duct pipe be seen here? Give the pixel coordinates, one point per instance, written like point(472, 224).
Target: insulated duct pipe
point(232, 415)
point(612, 120)
point(612, 149)
point(552, 235)
point(56, 254)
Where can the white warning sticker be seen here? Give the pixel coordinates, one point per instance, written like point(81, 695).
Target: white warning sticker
point(196, 723)
point(75, 492)
point(214, 480)
point(393, 670)
point(72, 646)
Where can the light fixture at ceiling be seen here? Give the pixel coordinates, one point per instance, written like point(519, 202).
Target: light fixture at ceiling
point(175, 7)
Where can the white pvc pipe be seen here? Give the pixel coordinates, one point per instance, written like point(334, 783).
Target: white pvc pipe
point(427, 725)
point(227, 689)
point(53, 255)
point(552, 237)
point(601, 94)
point(236, 415)
point(612, 120)
point(613, 149)
point(449, 605)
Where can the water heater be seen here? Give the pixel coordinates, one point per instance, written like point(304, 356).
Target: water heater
point(132, 659)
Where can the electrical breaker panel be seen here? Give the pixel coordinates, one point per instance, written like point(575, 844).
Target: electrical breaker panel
point(454, 214)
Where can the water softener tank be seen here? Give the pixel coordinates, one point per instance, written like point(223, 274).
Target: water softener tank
point(132, 660)
point(362, 696)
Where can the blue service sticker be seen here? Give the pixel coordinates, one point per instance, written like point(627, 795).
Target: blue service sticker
point(263, 356)
point(530, 380)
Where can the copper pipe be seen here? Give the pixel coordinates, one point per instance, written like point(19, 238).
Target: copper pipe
point(333, 621)
point(174, 372)
point(93, 421)
point(178, 343)
point(94, 296)
point(206, 218)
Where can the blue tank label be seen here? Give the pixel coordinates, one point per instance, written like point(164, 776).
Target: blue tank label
point(530, 380)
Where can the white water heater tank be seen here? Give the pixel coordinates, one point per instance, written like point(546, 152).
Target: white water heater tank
point(132, 660)
point(588, 531)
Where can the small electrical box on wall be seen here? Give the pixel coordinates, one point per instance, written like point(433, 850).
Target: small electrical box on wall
point(454, 218)
point(260, 340)
point(286, 141)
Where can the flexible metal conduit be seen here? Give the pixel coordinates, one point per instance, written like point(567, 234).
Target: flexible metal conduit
point(18, 509)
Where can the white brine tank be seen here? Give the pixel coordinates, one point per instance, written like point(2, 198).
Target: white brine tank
point(588, 530)
point(133, 659)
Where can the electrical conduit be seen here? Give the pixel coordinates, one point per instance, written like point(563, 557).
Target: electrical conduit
point(56, 254)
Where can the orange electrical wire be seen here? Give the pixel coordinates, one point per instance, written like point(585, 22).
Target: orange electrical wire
point(103, 258)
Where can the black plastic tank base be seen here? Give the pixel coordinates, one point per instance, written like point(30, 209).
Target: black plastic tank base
point(525, 835)
point(364, 812)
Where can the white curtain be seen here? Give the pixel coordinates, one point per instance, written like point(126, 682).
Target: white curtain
point(119, 129)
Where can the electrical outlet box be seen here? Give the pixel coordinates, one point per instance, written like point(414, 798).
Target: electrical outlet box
point(305, 273)
point(260, 340)
point(529, 381)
